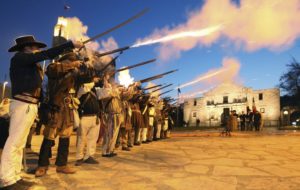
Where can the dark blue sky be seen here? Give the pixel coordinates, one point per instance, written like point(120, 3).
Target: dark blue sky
point(260, 69)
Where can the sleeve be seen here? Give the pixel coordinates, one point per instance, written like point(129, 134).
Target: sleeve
point(56, 69)
point(32, 58)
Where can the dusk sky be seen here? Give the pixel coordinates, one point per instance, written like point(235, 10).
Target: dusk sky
point(260, 50)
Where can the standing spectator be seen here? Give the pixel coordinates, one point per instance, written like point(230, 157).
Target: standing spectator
point(249, 119)
point(234, 120)
point(243, 121)
point(257, 120)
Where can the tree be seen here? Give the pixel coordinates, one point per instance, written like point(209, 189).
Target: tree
point(290, 81)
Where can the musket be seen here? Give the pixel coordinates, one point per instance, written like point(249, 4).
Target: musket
point(108, 64)
point(125, 68)
point(157, 76)
point(113, 51)
point(117, 26)
point(168, 98)
point(150, 79)
point(165, 92)
point(162, 87)
point(135, 65)
point(152, 87)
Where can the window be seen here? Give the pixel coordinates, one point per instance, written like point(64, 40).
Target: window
point(194, 114)
point(262, 110)
point(195, 102)
point(225, 99)
point(210, 103)
point(260, 96)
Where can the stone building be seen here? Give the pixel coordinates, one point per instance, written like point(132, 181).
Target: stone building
point(228, 96)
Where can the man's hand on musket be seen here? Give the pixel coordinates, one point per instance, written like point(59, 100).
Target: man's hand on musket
point(136, 84)
point(97, 79)
point(77, 64)
point(77, 44)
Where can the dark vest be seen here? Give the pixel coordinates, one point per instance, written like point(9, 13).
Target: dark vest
point(25, 78)
point(26, 73)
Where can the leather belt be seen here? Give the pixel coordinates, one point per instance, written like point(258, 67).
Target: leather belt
point(27, 99)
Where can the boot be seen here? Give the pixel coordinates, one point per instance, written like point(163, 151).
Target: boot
point(45, 152)
point(65, 170)
point(126, 148)
point(26, 183)
point(62, 152)
point(41, 171)
point(17, 186)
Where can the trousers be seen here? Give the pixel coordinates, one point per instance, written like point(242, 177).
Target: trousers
point(22, 116)
point(111, 134)
point(144, 134)
point(62, 152)
point(87, 135)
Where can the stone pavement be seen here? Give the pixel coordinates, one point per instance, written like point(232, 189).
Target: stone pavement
point(225, 163)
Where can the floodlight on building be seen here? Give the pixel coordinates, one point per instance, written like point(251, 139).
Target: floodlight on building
point(285, 112)
point(59, 29)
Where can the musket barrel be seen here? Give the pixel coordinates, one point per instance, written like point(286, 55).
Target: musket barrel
point(157, 76)
point(150, 79)
point(165, 92)
point(162, 87)
point(136, 65)
point(117, 26)
point(108, 64)
point(152, 87)
point(113, 51)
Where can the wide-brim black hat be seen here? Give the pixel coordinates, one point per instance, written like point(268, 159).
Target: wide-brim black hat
point(23, 41)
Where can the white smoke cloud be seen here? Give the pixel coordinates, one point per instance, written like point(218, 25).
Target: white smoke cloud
point(76, 30)
point(249, 26)
point(124, 78)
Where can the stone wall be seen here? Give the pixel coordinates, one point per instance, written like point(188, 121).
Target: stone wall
point(209, 108)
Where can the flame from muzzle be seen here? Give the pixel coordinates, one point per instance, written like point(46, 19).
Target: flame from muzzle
point(201, 78)
point(125, 79)
point(195, 33)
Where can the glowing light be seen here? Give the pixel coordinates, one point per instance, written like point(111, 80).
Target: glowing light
point(62, 21)
point(196, 33)
point(125, 79)
point(59, 29)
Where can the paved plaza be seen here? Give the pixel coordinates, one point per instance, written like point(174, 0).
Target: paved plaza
point(238, 162)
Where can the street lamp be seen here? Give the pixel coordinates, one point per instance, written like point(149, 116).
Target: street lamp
point(3, 89)
point(286, 118)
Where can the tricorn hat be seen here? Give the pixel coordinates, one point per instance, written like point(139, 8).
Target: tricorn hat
point(23, 41)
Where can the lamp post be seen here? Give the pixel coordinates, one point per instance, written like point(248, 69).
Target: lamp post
point(3, 89)
point(286, 113)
